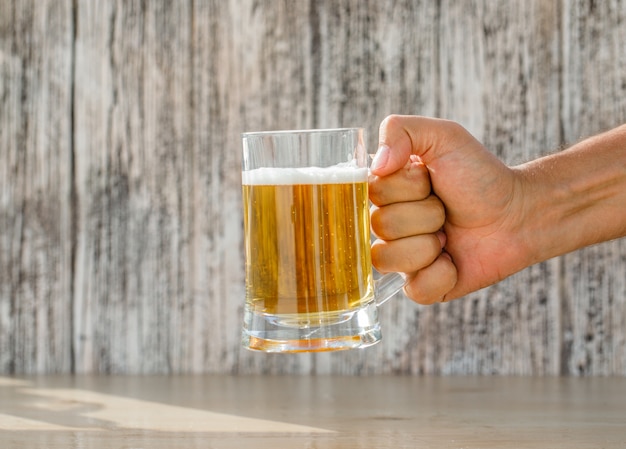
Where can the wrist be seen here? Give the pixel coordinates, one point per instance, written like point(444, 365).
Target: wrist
point(546, 224)
point(574, 198)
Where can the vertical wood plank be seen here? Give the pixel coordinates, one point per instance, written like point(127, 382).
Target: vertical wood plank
point(134, 174)
point(377, 58)
point(499, 77)
point(120, 208)
point(218, 99)
point(594, 99)
point(273, 43)
point(35, 185)
point(480, 70)
point(354, 67)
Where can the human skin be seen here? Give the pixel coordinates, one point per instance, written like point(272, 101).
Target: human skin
point(455, 219)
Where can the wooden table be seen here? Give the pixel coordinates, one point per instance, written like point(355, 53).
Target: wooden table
point(311, 412)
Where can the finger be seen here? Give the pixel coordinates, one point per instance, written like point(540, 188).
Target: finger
point(399, 220)
point(411, 183)
point(403, 135)
point(406, 255)
point(394, 146)
point(431, 284)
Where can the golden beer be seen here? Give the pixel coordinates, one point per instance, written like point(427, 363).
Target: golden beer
point(307, 240)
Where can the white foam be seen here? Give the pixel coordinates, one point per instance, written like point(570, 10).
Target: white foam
point(308, 175)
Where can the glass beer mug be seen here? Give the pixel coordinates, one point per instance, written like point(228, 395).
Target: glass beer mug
point(309, 277)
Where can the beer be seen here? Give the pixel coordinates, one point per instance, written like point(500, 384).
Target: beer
point(307, 240)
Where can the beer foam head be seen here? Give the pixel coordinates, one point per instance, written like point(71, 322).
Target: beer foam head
point(338, 174)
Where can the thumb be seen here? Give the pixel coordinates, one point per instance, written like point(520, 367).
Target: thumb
point(403, 135)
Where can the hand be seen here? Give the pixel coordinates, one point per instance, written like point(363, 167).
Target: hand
point(479, 230)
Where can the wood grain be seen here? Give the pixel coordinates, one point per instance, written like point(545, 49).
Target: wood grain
point(120, 210)
point(35, 186)
point(324, 412)
point(594, 79)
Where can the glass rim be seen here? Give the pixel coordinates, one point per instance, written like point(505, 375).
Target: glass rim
point(300, 131)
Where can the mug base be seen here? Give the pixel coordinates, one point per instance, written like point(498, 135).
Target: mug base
point(350, 329)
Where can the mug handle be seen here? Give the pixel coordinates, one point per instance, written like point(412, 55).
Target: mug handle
point(387, 286)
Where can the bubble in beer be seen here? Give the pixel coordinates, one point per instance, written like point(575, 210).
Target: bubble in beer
point(307, 240)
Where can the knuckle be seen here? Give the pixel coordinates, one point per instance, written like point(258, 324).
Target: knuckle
point(419, 179)
point(437, 211)
point(454, 128)
point(391, 121)
point(440, 213)
point(426, 250)
point(434, 246)
point(415, 293)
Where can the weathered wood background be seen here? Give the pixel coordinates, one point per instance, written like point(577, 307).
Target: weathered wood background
point(120, 221)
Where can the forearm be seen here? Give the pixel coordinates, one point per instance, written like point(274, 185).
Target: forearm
point(575, 198)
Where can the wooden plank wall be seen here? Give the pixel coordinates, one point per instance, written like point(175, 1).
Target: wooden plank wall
point(120, 221)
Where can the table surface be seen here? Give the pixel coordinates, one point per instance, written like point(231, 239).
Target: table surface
point(278, 412)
